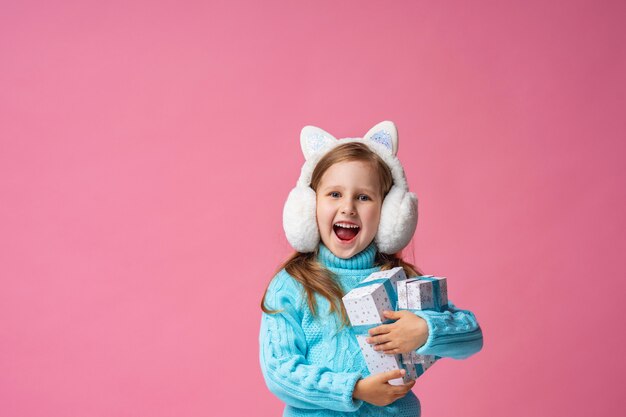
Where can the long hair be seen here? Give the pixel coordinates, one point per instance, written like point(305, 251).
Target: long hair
point(306, 269)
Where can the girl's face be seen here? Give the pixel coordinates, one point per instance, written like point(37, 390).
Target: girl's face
point(348, 207)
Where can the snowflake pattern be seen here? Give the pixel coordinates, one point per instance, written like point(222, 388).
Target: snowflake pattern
point(384, 138)
point(315, 141)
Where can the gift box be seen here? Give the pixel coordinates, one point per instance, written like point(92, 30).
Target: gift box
point(415, 370)
point(378, 362)
point(376, 293)
point(413, 358)
point(423, 293)
point(365, 305)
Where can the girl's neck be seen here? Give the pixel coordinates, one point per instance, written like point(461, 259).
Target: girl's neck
point(362, 260)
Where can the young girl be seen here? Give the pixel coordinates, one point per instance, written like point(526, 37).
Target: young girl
point(353, 196)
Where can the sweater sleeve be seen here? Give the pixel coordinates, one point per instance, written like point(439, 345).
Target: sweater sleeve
point(453, 333)
point(285, 368)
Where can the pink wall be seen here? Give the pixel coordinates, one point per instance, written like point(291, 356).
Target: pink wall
point(146, 149)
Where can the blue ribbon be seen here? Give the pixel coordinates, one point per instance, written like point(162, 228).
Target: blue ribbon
point(363, 329)
point(393, 297)
point(419, 368)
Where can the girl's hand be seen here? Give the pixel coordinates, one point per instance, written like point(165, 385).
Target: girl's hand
point(376, 390)
point(408, 333)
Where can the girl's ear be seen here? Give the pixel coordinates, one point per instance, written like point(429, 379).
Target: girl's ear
point(386, 134)
point(312, 139)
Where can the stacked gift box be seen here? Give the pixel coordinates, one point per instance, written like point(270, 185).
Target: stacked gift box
point(391, 290)
point(422, 293)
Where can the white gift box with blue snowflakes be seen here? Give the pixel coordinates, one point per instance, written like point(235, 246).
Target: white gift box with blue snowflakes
point(365, 305)
point(422, 293)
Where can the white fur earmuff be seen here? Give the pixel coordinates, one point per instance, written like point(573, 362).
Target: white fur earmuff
point(398, 218)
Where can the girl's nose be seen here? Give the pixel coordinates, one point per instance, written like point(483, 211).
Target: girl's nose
point(348, 210)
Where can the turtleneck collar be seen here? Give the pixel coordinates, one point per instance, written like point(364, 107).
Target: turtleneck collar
point(362, 260)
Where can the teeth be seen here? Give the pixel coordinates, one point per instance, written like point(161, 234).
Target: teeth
point(347, 225)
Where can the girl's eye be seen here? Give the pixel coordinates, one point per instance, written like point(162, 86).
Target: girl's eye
point(334, 194)
point(365, 198)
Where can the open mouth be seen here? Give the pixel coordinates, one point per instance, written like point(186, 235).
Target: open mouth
point(346, 231)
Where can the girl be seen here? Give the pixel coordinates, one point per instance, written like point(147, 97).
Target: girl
point(352, 194)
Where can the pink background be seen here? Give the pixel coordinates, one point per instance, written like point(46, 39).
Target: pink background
point(147, 148)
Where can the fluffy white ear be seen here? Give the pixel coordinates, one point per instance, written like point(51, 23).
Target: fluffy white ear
point(312, 139)
point(386, 134)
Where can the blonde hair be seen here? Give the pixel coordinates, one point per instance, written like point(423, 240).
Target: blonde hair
point(306, 269)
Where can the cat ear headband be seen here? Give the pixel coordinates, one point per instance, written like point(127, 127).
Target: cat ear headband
point(398, 218)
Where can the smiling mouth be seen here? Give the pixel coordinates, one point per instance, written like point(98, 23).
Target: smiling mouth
point(346, 233)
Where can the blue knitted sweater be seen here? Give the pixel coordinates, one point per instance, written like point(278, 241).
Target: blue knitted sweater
point(312, 364)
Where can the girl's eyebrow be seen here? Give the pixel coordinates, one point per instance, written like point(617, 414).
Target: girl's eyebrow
point(333, 186)
point(339, 187)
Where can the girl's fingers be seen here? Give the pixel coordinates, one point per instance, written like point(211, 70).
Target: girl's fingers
point(403, 389)
point(382, 329)
point(391, 346)
point(389, 375)
point(377, 340)
point(381, 338)
point(400, 390)
point(384, 346)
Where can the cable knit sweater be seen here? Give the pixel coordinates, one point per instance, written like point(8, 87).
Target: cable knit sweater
point(312, 365)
